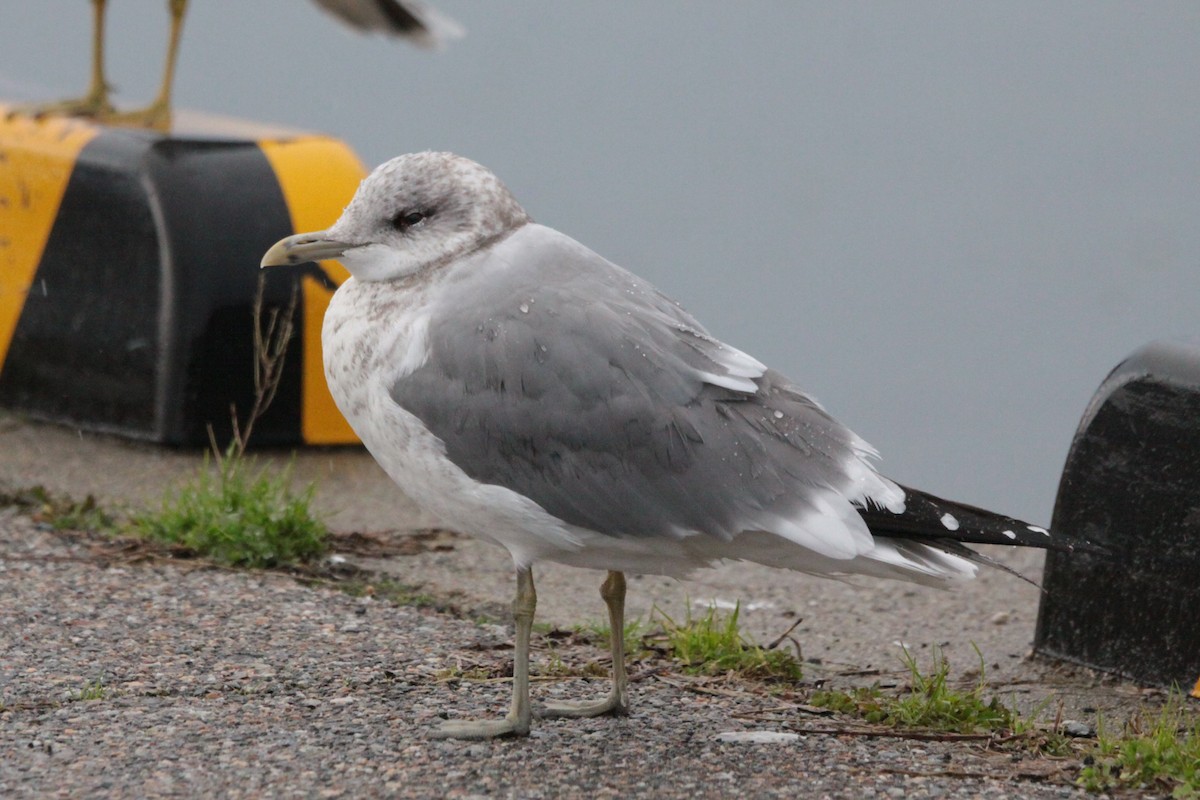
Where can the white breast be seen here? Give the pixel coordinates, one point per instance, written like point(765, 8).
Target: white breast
point(376, 333)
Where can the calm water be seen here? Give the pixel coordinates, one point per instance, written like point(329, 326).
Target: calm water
point(945, 220)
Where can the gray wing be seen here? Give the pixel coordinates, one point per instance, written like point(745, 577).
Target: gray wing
point(572, 382)
point(412, 19)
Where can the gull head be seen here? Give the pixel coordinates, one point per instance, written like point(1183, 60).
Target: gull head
point(415, 212)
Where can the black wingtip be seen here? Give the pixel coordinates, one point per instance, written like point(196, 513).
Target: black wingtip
point(935, 519)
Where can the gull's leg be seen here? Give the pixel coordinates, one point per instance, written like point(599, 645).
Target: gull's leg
point(97, 96)
point(157, 115)
point(516, 723)
point(95, 102)
point(617, 702)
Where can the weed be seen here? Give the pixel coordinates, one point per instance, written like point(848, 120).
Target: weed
point(930, 702)
point(459, 674)
point(635, 636)
point(239, 517)
point(60, 512)
point(93, 691)
point(712, 645)
point(554, 666)
point(1040, 737)
point(386, 589)
point(1160, 753)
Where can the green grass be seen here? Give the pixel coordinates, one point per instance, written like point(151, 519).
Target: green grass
point(554, 666)
point(712, 644)
point(1040, 736)
point(459, 674)
point(929, 702)
point(1159, 753)
point(59, 511)
point(388, 590)
point(237, 515)
point(93, 691)
point(635, 635)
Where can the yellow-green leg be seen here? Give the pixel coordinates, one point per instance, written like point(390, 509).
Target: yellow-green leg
point(93, 104)
point(516, 722)
point(617, 702)
point(157, 115)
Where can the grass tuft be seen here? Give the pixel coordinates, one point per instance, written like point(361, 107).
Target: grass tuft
point(239, 516)
point(635, 636)
point(712, 644)
point(59, 511)
point(930, 702)
point(387, 590)
point(93, 691)
point(1159, 753)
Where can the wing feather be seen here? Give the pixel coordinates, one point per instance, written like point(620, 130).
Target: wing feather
point(567, 379)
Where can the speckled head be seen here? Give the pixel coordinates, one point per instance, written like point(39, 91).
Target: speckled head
point(412, 213)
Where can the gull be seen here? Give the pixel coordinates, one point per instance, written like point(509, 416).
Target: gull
point(410, 19)
point(522, 389)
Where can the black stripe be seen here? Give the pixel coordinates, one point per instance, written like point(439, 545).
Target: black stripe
point(401, 18)
point(118, 341)
point(222, 207)
point(85, 348)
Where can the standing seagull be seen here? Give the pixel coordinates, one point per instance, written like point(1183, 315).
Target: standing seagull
point(411, 19)
point(524, 390)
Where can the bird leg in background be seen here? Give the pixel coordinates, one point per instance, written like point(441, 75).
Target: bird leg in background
point(157, 115)
point(617, 702)
point(95, 103)
point(516, 722)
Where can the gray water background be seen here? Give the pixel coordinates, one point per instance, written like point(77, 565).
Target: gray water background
point(946, 220)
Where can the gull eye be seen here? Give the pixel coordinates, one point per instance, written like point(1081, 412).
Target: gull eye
point(407, 219)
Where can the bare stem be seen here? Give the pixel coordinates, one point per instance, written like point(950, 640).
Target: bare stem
point(270, 349)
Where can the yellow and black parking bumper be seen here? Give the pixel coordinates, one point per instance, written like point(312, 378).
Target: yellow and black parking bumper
point(129, 265)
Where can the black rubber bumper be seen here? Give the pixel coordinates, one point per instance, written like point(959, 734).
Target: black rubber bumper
point(1132, 484)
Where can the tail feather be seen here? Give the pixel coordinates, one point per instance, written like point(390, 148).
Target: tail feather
point(975, 557)
point(940, 522)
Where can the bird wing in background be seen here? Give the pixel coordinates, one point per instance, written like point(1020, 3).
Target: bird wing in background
point(419, 22)
point(414, 20)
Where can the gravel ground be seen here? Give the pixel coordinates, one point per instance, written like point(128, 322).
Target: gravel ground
point(224, 683)
point(240, 684)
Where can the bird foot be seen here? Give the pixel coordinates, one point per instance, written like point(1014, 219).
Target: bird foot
point(156, 116)
point(610, 705)
point(481, 728)
point(91, 107)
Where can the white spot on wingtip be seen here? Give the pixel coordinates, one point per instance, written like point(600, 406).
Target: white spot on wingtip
point(949, 522)
point(1038, 529)
point(1010, 535)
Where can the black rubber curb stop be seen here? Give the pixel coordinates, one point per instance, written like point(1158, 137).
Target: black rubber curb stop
point(129, 265)
point(1132, 484)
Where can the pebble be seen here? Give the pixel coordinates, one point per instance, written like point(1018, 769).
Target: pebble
point(758, 737)
point(1076, 728)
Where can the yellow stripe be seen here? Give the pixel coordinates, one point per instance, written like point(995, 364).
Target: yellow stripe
point(318, 177)
point(36, 159)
